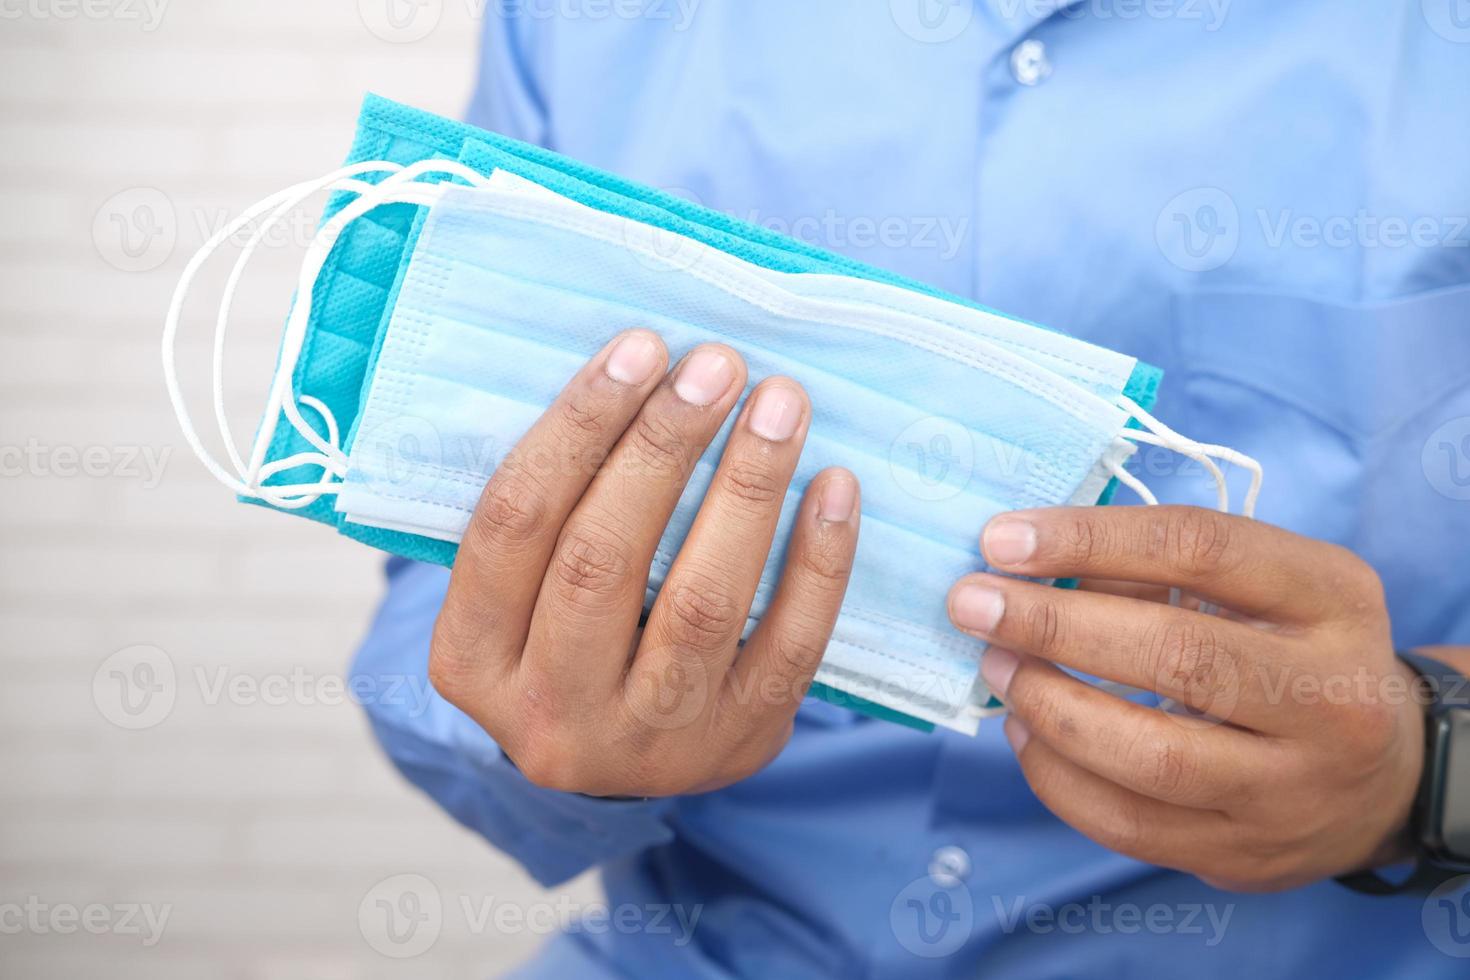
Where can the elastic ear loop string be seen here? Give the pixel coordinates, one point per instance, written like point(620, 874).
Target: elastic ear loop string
point(331, 458)
point(170, 335)
point(395, 189)
point(1170, 439)
point(290, 200)
point(1159, 434)
point(1162, 435)
point(287, 496)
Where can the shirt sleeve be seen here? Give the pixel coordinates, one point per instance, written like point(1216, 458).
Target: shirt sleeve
point(554, 835)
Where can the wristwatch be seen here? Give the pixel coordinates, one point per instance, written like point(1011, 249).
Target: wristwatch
point(1440, 820)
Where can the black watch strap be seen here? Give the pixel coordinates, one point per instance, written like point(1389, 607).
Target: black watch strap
point(1450, 690)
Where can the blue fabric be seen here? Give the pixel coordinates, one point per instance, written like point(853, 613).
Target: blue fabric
point(1342, 366)
point(356, 290)
point(512, 288)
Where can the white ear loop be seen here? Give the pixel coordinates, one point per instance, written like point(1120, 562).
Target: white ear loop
point(401, 186)
point(1158, 434)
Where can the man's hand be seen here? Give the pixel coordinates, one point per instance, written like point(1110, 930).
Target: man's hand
point(1300, 757)
point(539, 638)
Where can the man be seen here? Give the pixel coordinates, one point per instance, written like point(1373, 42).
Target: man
point(1266, 200)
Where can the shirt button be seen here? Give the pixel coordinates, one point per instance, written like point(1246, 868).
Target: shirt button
point(1029, 64)
point(949, 866)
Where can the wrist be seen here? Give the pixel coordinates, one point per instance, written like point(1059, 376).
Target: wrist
point(1398, 844)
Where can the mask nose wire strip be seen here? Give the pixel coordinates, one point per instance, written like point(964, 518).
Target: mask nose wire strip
point(246, 480)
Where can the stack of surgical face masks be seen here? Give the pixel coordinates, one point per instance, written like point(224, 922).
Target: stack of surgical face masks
point(461, 278)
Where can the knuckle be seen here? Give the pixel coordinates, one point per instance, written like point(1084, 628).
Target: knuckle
point(700, 615)
point(546, 763)
point(588, 566)
point(1358, 582)
point(826, 561)
point(580, 415)
point(1042, 708)
point(512, 508)
point(1044, 627)
point(1197, 542)
point(1084, 540)
point(651, 774)
point(455, 666)
point(751, 481)
point(1167, 769)
point(449, 671)
point(1374, 728)
point(656, 442)
point(796, 652)
point(1188, 658)
point(1121, 828)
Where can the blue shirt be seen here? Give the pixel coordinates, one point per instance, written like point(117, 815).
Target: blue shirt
point(1268, 200)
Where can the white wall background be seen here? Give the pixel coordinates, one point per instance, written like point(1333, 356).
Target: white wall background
point(259, 828)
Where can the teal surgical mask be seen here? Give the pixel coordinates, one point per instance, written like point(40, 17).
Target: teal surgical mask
point(444, 303)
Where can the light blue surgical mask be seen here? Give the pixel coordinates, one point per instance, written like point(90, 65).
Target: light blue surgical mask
point(504, 286)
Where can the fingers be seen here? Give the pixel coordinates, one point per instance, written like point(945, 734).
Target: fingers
point(510, 537)
point(1227, 670)
point(592, 592)
point(1173, 758)
point(1245, 565)
point(706, 596)
point(774, 669)
point(1118, 818)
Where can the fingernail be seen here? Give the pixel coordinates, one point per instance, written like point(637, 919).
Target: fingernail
point(776, 413)
point(1009, 541)
point(838, 500)
point(704, 376)
point(978, 608)
point(1016, 733)
point(997, 667)
point(633, 359)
